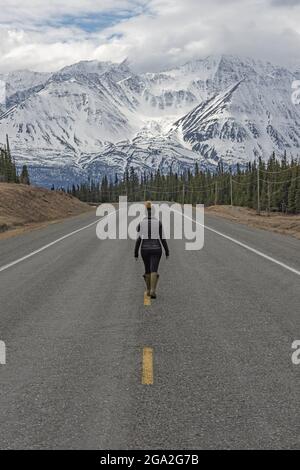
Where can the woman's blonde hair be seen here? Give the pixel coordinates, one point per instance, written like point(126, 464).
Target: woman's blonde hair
point(148, 204)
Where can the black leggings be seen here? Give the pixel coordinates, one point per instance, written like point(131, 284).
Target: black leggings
point(151, 260)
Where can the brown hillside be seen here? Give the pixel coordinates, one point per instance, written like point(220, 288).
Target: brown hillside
point(275, 222)
point(26, 206)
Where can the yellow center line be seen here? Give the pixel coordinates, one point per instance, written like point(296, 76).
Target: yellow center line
point(147, 299)
point(147, 377)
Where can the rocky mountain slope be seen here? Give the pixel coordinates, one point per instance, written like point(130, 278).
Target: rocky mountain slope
point(94, 117)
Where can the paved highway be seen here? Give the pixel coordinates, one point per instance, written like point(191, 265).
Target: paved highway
point(216, 343)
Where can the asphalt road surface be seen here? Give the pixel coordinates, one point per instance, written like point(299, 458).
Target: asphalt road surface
point(219, 338)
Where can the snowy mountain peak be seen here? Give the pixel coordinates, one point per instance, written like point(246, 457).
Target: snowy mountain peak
point(86, 66)
point(96, 117)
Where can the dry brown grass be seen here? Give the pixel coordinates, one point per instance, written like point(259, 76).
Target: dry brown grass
point(276, 222)
point(27, 207)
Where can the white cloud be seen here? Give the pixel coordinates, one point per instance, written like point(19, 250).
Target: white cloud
point(284, 3)
point(156, 34)
point(33, 11)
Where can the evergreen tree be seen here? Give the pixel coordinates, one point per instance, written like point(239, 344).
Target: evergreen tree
point(24, 177)
point(279, 185)
point(8, 172)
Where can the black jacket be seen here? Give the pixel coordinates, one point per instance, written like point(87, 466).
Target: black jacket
point(150, 244)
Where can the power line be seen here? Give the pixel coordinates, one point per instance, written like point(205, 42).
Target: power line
point(281, 182)
point(291, 168)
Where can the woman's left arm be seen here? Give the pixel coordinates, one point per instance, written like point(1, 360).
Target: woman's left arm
point(163, 240)
point(138, 242)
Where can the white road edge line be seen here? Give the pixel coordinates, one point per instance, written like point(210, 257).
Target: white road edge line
point(43, 248)
point(247, 247)
point(243, 245)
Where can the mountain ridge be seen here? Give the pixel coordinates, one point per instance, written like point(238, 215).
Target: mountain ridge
point(94, 118)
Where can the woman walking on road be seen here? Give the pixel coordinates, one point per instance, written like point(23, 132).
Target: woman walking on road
point(151, 239)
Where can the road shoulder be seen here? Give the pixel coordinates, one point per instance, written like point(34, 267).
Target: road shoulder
point(277, 223)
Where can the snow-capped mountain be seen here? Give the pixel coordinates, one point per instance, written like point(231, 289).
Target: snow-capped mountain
point(95, 117)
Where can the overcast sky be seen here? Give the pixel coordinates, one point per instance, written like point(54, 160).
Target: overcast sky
point(154, 34)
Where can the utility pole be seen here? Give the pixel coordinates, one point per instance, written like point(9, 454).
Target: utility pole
point(183, 194)
point(231, 191)
point(269, 198)
point(258, 190)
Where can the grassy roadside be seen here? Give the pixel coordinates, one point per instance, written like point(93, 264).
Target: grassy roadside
point(275, 222)
point(24, 208)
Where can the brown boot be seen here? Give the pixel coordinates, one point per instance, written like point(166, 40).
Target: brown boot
point(147, 278)
point(154, 280)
